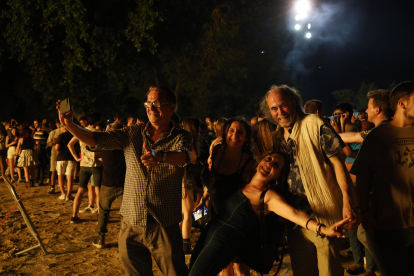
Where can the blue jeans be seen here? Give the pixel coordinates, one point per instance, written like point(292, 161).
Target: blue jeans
point(357, 251)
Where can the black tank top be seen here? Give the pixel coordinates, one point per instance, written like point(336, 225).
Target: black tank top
point(227, 184)
point(27, 143)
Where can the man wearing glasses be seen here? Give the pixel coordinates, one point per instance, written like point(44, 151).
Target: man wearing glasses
point(155, 156)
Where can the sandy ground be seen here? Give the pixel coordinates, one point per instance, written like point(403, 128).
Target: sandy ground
point(69, 246)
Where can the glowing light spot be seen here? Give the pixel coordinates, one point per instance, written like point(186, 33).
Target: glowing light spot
point(302, 6)
point(297, 27)
point(308, 35)
point(309, 26)
point(263, 52)
point(297, 17)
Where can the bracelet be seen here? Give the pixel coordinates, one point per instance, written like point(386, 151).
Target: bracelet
point(318, 230)
point(308, 222)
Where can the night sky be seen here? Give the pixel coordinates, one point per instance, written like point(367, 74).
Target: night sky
point(352, 41)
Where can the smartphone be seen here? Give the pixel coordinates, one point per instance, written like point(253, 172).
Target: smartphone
point(65, 106)
point(199, 213)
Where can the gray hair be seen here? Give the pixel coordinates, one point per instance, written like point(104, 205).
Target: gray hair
point(291, 92)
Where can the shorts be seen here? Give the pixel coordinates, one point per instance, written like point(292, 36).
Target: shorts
point(11, 152)
point(3, 152)
point(65, 167)
point(85, 174)
point(53, 162)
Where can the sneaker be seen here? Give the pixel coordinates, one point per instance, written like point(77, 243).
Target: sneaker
point(62, 197)
point(12, 180)
point(51, 190)
point(356, 270)
point(187, 248)
point(88, 209)
point(74, 220)
point(94, 210)
point(99, 242)
point(20, 180)
point(69, 197)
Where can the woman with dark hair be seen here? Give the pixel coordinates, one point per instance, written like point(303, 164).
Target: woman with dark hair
point(231, 162)
point(11, 144)
point(238, 224)
point(264, 138)
point(3, 151)
point(26, 151)
point(218, 128)
point(192, 172)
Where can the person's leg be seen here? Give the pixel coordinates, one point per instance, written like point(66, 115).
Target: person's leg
point(32, 172)
point(70, 168)
point(91, 195)
point(77, 201)
point(69, 180)
point(135, 256)
point(96, 181)
point(166, 247)
point(329, 262)
point(84, 175)
point(11, 166)
point(357, 252)
point(61, 180)
point(19, 172)
point(53, 178)
point(2, 165)
point(107, 196)
point(26, 173)
point(371, 265)
point(303, 254)
point(187, 209)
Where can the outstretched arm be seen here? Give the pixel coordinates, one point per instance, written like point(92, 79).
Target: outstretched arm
point(275, 203)
point(351, 137)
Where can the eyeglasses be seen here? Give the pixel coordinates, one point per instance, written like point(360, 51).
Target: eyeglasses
point(337, 114)
point(156, 104)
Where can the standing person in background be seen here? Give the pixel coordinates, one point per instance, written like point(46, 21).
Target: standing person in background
point(40, 137)
point(131, 120)
point(11, 144)
point(231, 162)
point(3, 151)
point(385, 165)
point(26, 151)
point(156, 155)
point(83, 121)
point(113, 179)
point(65, 163)
point(52, 141)
point(219, 133)
point(91, 165)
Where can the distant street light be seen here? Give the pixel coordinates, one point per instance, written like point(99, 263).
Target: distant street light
point(308, 35)
point(297, 27)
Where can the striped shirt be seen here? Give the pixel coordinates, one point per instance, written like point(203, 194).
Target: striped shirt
point(158, 190)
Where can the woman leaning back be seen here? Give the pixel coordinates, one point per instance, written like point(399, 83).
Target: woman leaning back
point(228, 232)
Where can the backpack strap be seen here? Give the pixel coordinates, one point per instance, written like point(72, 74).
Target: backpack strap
point(262, 219)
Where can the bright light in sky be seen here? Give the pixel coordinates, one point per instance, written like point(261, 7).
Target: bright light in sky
point(302, 7)
point(297, 27)
point(308, 35)
point(309, 26)
point(297, 17)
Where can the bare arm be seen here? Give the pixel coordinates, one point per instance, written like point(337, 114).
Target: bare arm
point(12, 142)
point(351, 137)
point(19, 146)
point(86, 136)
point(275, 203)
point(350, 152)
point(151, 158)
point(345, 184)
point(57, 147)
point(71, 147)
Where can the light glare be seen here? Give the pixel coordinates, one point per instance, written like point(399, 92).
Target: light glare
point(308, 35)
point(297, 17)
point(302, 6)
point(297, 27)
point(309, 26)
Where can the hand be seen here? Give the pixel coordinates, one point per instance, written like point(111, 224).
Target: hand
point(368, 222)
point(78, 159)
point(184, 193)
point(336, 230)
point(348, 213)
point(54, 141)
point(151, 158)
point(335, 126)
point(342, 120)
point(65, 119)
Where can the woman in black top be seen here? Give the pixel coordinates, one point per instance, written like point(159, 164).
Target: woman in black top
point(232, 160)
point(11, 144)
point(26, 150)
point(3, 152)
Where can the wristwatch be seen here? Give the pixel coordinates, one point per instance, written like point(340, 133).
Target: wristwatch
point(163, 156)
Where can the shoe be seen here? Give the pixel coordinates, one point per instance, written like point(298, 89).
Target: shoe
point(20, 180)
point(187, 248)
point(99, 242)
point(88, 209)
point(69, 197)
point(94, 210)
point(51, 190)
point(369, 273)
point(355, 270)
point(62, 197)
point(12, 180)
point(74, 220)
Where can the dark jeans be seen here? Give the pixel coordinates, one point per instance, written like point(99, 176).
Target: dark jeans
point(394, 250)
point(165, 244)
point(358, 251)
point(86, 172)
point(42, 156)
point(106, 197)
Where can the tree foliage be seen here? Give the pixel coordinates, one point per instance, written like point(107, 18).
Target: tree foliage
point(105, 54)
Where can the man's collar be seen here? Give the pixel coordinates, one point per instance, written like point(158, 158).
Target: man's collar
point(171, 126)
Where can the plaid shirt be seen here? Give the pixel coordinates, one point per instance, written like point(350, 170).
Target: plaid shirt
point(158, 190)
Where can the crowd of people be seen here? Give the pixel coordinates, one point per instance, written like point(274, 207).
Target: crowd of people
point(316, 174)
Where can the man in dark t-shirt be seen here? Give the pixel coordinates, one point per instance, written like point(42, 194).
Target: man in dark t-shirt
point(65, 163)
point(112, 187)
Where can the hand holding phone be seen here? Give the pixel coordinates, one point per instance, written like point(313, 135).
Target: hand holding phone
point(65, 111)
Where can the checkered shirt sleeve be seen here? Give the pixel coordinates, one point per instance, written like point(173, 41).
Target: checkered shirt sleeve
point(157, 190)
